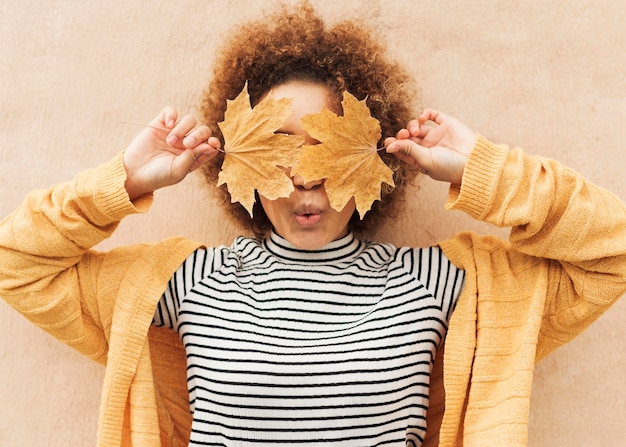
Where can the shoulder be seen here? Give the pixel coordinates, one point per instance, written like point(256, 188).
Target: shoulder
point(462, 248)
point(175, 247)
point(154, 260)
point(473, 252)
point(212, 258)
point(382, 252)
point(422, 263)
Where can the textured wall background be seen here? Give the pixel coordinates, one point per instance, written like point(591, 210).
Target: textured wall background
point(547, 76)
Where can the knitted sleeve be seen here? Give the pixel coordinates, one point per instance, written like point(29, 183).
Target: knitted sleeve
point(48, 273)
point(556, 216)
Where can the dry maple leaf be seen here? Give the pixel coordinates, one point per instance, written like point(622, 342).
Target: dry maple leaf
point(347, 156)
point(254, 152)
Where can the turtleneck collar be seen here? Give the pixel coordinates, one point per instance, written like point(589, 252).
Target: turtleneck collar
point(345, 249)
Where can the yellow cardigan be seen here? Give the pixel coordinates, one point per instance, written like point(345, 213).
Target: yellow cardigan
point(564, 265)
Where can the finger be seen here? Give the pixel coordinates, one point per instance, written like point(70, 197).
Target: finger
point(389, 140)
point(171, 116)
point(182, 128)
point(201, 159)
point(199, 156)
point(166, 118)
point(411, 152)
point(403, 134)
point(413, 128)
point(425, 129)
point(197, 136)
point(432, 115)
point(205, 151)
point(215, 143)
point(427, 115)
point(183, 164)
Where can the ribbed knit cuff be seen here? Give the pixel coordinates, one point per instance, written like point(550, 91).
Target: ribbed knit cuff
point(481, 175)
point(105, 186)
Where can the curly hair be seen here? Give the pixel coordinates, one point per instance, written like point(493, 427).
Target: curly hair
point(297, 45)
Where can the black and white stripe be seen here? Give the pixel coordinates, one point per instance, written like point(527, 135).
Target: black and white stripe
point(291, 347)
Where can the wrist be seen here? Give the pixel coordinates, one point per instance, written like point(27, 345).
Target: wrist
point(480, 177)
point(134, 189)
point(105, 186)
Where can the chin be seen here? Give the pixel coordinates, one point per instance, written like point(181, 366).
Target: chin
point(309, 243)
point(309, 240)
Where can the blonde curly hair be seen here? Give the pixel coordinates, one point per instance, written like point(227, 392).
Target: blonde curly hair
point(296, 45)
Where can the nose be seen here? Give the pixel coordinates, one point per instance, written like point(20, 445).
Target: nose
point(298, 182)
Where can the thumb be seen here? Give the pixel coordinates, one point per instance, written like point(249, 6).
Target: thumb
point(184, 163)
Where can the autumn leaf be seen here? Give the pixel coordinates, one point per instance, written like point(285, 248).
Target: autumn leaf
point(347, 156)
point(254, 152)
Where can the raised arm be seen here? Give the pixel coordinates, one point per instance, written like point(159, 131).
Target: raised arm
point(47, 271)
point(554, 213)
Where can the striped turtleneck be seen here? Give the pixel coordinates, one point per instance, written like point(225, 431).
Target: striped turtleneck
point(293, 347)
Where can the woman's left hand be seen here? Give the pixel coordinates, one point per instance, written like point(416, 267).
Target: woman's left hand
point(436, 143)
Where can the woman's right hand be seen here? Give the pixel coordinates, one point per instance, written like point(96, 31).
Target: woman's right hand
point(166, 151)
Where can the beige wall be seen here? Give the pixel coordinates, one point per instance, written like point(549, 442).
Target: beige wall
point(548, 76)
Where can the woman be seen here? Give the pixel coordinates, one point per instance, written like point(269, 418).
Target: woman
point(307, 334)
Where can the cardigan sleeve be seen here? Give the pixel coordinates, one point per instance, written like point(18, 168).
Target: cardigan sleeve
point(555, 215)
point(49, 273)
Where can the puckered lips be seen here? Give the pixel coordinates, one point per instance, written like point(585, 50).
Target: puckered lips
point(308, 215)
